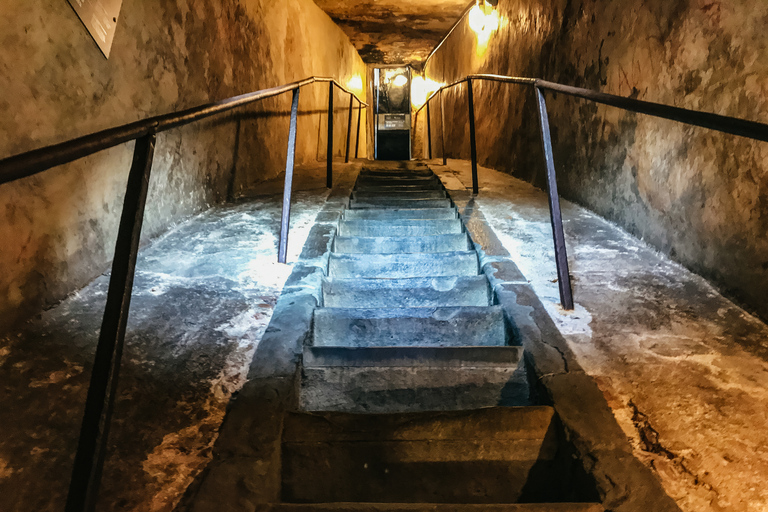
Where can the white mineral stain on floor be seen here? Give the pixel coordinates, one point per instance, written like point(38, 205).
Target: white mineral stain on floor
point(666, 350)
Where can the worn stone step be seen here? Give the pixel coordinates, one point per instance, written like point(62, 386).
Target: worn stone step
point(431, 507)
point(395, 266)
point(399, 203)
point(432, 185)
point(403, 227)
point(395, 180)
point(412, 379)
point(390, 215)
point(409, 327)
point(399, 194)
point(406, 293)
point(490, 455)
point(400, 173)
point(401, 244)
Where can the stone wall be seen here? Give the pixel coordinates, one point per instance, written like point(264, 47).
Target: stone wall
point(58, 228)
point(695, 194)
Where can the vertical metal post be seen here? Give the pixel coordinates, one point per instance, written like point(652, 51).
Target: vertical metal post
point(561, 256)
point(429, 133)
point(329, 156)
point(94, 431)
point(472, 143)
point(285, 221)
point(349, 127)
point(357, 139)
point(442, 127)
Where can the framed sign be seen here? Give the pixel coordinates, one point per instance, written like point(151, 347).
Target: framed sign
point(100, 18)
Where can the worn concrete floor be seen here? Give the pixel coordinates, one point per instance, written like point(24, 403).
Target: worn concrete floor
point(203, 296)
point(684, 369)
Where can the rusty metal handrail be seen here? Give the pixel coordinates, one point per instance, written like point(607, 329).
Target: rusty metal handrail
point(724, 124)
point(94, 431)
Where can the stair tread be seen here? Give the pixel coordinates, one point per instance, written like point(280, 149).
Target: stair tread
point(422, 357)
point(456, 263)
point(434, 507)
point(399, 203)
point(401, 213)
point(426, 326)
point(448, 242)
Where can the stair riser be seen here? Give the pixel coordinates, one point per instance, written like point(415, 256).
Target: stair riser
point(464, 292)
point(396, 245)
point(395, 215)
point(373, 182)
point(399, 228)
point(481, 327)
point(399, 194)
point(389, 268)
point(400, 203)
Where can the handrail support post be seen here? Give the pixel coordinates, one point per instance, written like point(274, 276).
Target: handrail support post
point(357, 139)
point(329, 156)
point(99, 404)
point(472, 142)
point(290, 158)
point(349, 128)
point(442, 127)
point(561, 255)
point(429, 133)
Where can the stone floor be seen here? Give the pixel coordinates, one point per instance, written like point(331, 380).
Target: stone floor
point(684, 369)
point(203, 296)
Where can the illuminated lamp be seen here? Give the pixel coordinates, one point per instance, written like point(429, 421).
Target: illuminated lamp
point(400, 80)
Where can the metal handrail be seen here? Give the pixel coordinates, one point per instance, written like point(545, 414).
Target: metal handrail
point(94, 431)
point(38, 160)
point(725, 124)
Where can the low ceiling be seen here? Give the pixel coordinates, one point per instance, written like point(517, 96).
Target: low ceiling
point(395, 31)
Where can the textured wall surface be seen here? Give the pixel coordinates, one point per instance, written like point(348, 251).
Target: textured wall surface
point(58, 228)
point(697, 195)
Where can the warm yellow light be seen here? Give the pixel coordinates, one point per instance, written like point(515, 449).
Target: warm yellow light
point(483, 19)
point(400, 80)
point(355, 83)
point(476, 19)
point(421, 88)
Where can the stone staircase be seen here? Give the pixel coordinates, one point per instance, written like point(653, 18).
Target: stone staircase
point(408, 321)
point(413, 393)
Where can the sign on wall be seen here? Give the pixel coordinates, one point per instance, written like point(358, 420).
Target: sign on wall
point(100, 18)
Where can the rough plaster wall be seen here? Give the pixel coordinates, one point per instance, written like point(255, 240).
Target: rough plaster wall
point(699, 196)
point(58, 228)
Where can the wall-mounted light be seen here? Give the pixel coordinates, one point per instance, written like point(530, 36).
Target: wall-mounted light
point(421, 88)
point(483, 18)
point(400, 80)
point(355, 83)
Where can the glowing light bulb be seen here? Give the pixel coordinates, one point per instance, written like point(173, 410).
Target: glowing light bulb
point(400, 80)
point(355, 83)
point(476, 19)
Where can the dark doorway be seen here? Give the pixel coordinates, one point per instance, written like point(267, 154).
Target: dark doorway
point(393, 113)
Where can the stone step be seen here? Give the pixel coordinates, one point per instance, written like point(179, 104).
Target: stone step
point(395, 266)
point(401, 244)
point(399, 194)
point(415, 173)
point(409, 327)
point(395, 180)
point(390, 215)
point(399, 204)
point(390, 186)
point(404, 227)
point(406, 293)
point(488, 455)
point(431, 507)
point(412, 379)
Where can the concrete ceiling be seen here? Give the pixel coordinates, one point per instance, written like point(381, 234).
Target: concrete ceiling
point(394, 31)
